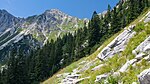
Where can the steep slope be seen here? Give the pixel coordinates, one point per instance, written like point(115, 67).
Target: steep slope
point(119, 60)
point(39, 29)
point(8, 21)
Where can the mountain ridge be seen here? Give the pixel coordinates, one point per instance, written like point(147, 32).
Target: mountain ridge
point(44, 27)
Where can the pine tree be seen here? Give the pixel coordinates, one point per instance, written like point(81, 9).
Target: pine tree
point(147, 3)
point(94, 27)
point(4, 77)
point(115, 22)
point(31, 67)
point(131, 10)
point(0, 77)
point(11, 71)
point(109, 13)
point(21, 69)
point(105, 23)
point(59, 52)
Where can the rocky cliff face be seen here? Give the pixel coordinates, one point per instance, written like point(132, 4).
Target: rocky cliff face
point(48, 25)
point(8, 21)
point(42, 26)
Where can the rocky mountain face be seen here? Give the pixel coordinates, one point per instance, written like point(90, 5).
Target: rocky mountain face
point(49, 22)
point(35, 30)
point(8, 21)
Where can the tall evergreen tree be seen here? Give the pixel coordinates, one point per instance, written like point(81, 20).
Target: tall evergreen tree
point(94, 27)
point(147, 3)
point(131, 10)
point(21, 70)
point(109, 13)
point(115, 21)
point(106, 22)
point(11, 71)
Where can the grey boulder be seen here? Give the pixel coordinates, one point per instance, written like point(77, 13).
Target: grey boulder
point(144, 77)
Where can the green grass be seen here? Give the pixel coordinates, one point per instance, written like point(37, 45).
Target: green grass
point(111, 65)
point(53, 35)
point(70, 26)
point(131, 75)
point(135, 41)
point(20, 29)
point(55, 80)
point(116, 62)
point(74, 65)
point(66, 28)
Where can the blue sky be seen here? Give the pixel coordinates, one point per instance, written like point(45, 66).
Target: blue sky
point(78, 8)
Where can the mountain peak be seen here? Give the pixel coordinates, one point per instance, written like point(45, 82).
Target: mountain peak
point(4, 11)
point(54, 11)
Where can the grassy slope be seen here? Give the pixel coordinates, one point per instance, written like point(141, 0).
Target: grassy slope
point(117, 61)
point(74, 65)
point(70, 27)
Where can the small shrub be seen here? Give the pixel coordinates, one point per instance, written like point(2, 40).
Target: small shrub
point(147, 29)
point(112, 80)
point(139, 27)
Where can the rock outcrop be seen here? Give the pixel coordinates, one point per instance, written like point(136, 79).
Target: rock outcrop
point(74, 77)
point(98, 67)
point(127, 64)
point(118, 44)
point(101, 77)
point(144, 77)
point(141, 52)
point(71, 78)
point(87, 66)
point(143, 47)
point(140, 56)
point(147, 17)
point(147, 58)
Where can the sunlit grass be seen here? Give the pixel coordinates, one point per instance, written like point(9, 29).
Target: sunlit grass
point(116, 62)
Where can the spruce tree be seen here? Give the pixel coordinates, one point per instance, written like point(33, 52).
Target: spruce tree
point(115, 22)
point(94, 29)
point(11, 71)
point(105, 23)
point(21, 69)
